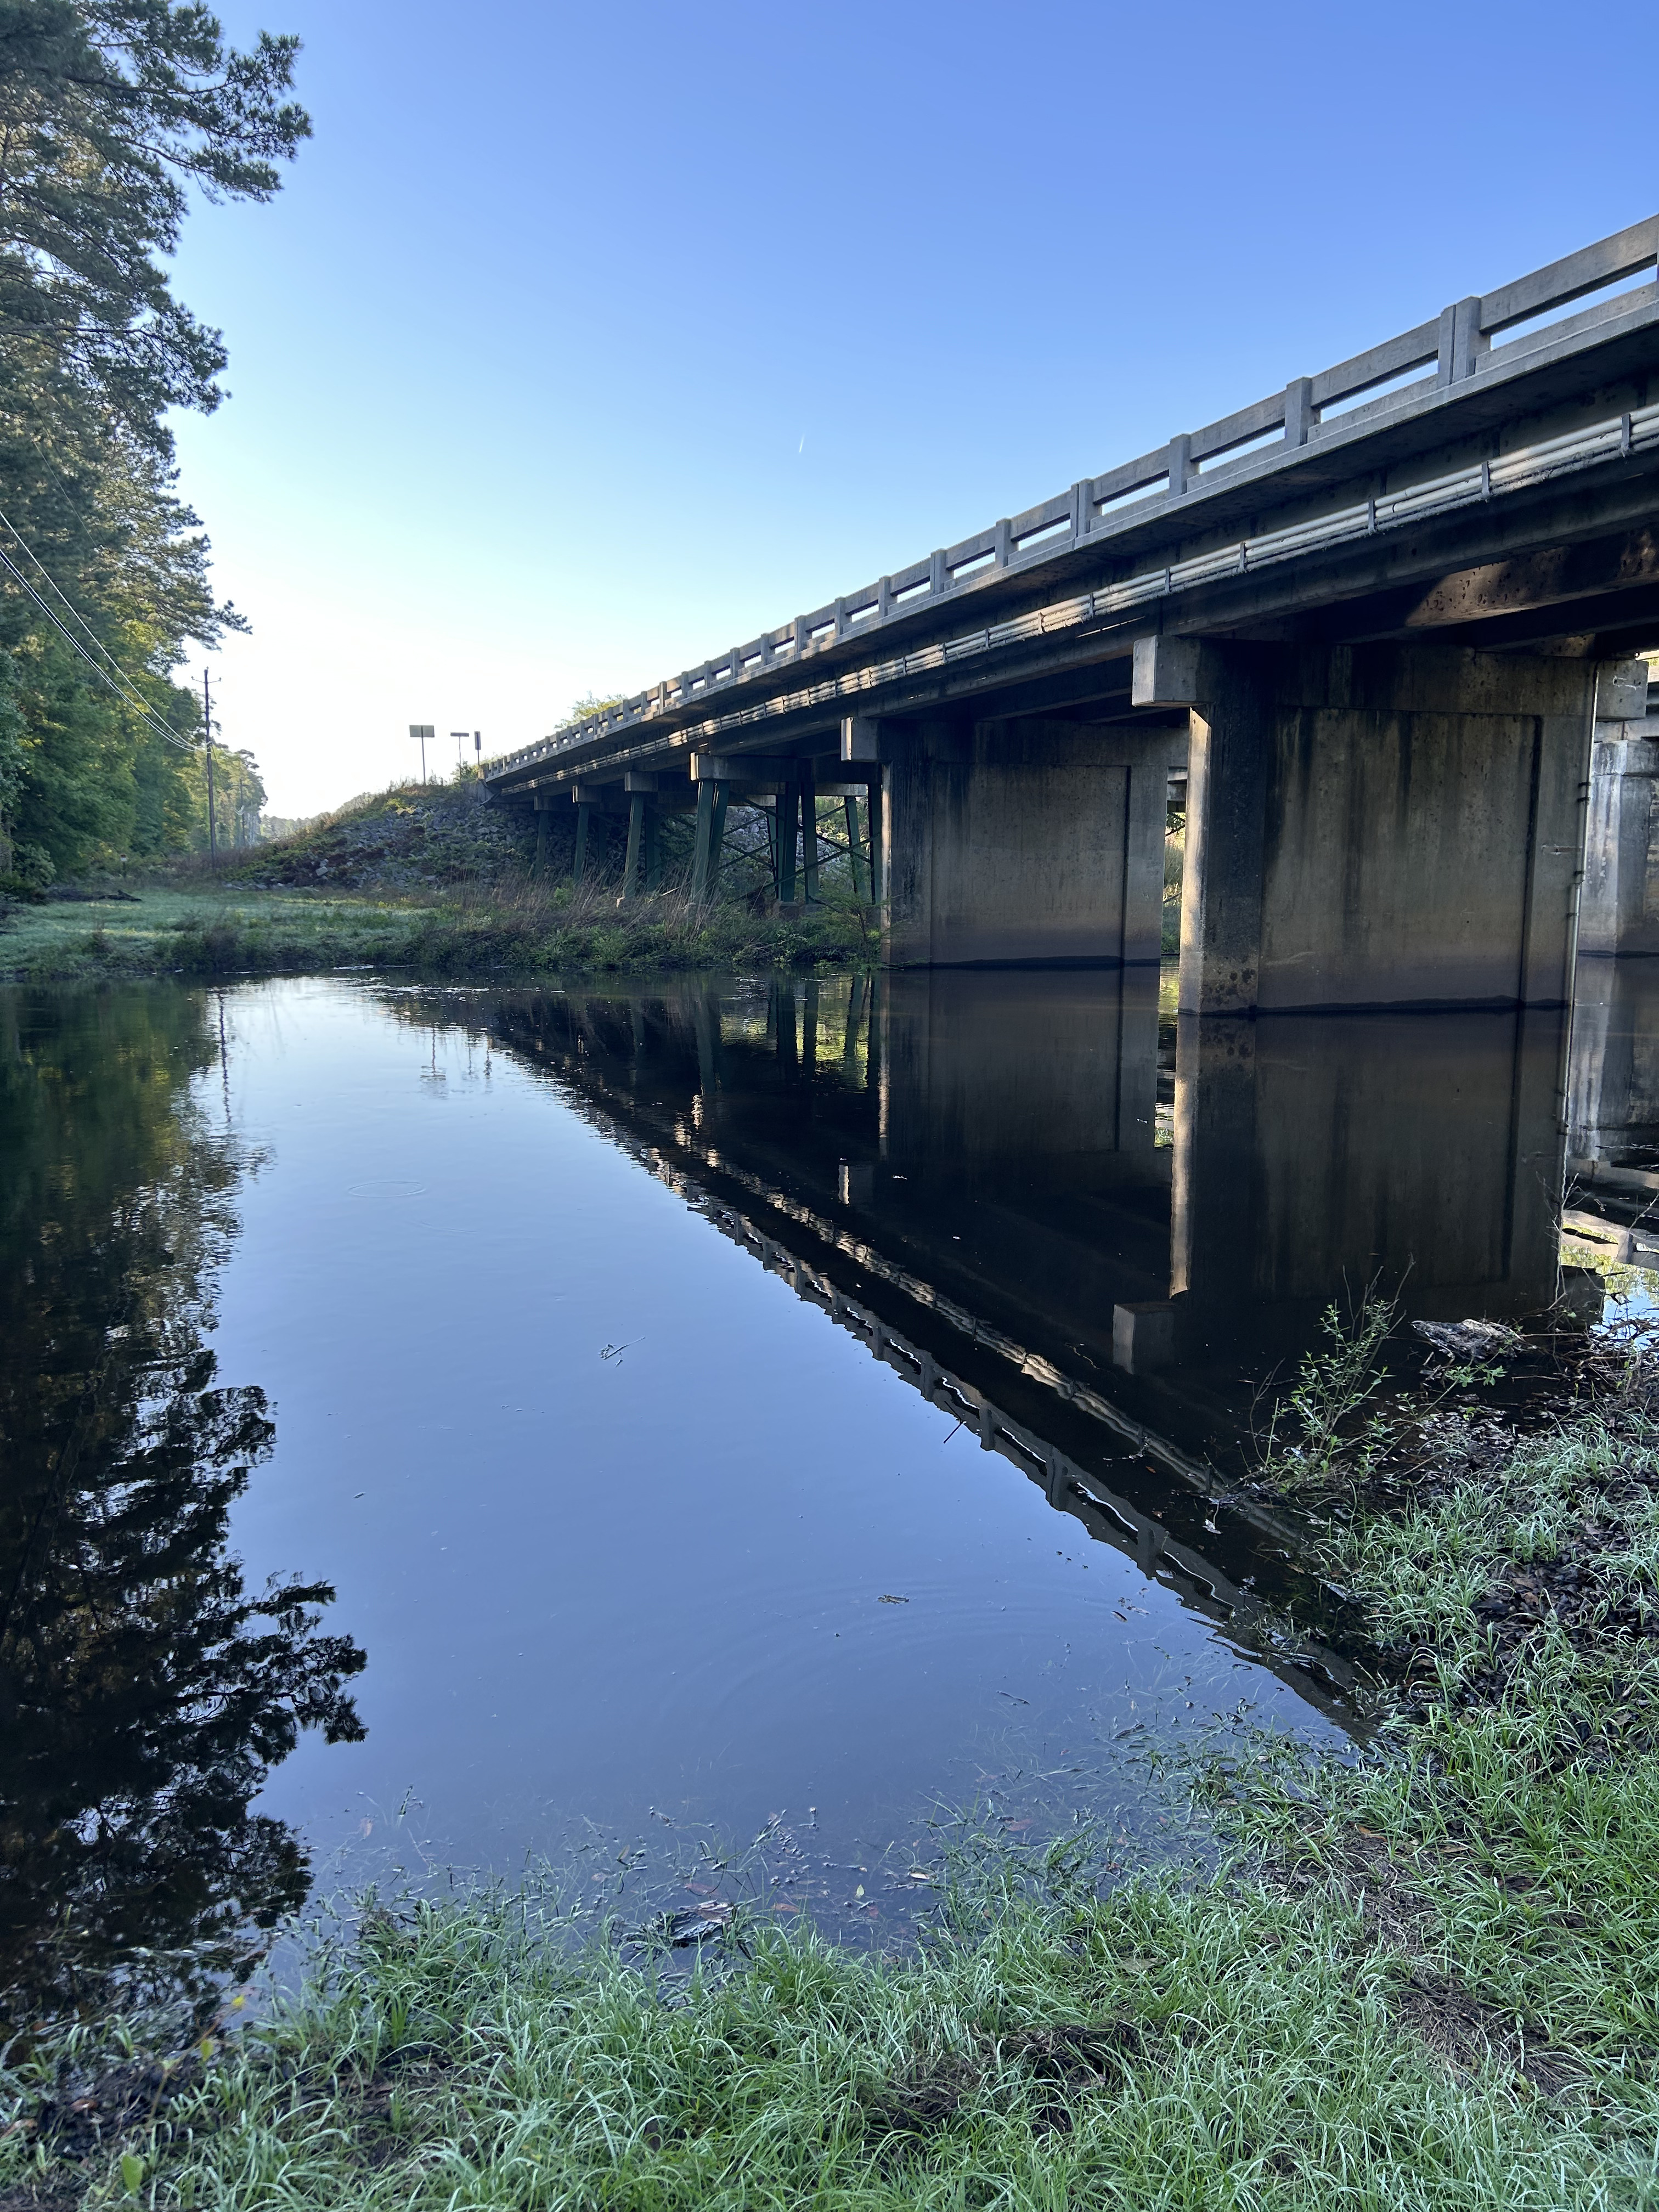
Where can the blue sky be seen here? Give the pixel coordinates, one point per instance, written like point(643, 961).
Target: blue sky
point(584, 343)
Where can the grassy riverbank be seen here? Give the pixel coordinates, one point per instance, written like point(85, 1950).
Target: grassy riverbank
point(434, 878)
point(1427, 1980)
point(515, 929)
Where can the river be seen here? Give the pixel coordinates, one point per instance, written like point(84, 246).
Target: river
point(452, 1428)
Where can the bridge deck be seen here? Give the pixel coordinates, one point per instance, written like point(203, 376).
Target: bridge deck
point(1523, 420)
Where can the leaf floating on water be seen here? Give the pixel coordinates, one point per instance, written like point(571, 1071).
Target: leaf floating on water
point(886, 1598)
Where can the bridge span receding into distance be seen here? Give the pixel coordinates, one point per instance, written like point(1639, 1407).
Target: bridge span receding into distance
point(1375, 618)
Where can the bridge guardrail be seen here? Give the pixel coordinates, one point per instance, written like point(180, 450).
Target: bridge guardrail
point(1454, 347)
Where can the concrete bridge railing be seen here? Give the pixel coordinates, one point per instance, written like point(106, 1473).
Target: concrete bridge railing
point(1489, 336)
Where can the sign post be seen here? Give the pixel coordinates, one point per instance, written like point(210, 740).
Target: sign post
point(422, 731)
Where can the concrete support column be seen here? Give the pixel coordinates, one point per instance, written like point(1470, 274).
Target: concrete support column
point(641, 869)
point(1374, 826)
point(543, 807)
point(857, 860)
point(653, 848)
point(1619, 908)
point(809, 831)
point(584, 814)
point(713, 795)
point(1025, 842)
point(701, 834)
point(784, 815)
point(1613, 1092)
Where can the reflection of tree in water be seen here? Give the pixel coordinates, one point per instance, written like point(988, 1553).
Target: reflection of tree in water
point(144, 1692)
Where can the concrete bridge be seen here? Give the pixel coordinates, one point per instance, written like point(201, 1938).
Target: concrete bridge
point(1370, 616)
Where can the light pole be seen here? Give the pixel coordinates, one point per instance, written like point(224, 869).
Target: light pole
point(422, 731)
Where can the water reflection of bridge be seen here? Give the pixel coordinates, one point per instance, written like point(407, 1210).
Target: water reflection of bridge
point(967, 1171)
point(996, 1135)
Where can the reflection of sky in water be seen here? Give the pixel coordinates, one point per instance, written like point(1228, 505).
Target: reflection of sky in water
point(1632, 1294)
point(742, 1569)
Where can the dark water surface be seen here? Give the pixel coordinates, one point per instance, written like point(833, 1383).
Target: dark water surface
point(744, 1404)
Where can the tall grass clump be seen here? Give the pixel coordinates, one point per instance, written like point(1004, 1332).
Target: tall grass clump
point(1241, 2042)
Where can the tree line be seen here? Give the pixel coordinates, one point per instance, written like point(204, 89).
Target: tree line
point(111, 114)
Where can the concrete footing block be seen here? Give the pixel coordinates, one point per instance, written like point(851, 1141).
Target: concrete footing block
point(1143, 1336)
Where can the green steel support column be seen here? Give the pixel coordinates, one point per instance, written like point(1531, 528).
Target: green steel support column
point(717, 836)
point(809, 831)
point(855, 854)
point(788, 819)
point(653, 848)
point(702, 841)
point(580, 860)
point(635, 841)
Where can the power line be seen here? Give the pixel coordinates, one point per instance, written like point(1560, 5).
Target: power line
point(132, 700)
point(57, 589)
point(123, 686)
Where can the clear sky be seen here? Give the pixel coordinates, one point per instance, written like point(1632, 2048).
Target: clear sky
point(583, 343)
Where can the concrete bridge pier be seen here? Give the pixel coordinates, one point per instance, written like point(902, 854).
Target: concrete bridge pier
point(1613, 1091)
point(1019, 842)
point(642, 867)
point(1376, 960)
point(1377, 825)
point(592, 800)
point(1619, 907)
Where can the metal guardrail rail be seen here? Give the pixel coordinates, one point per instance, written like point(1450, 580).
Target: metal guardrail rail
point(1476, 338)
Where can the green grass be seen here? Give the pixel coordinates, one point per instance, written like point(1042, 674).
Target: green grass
point(1426, 1978)
point(161, 930)
point(517, 928)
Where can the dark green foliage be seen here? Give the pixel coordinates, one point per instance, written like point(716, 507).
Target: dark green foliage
point(109, 109)
point(144, 1693)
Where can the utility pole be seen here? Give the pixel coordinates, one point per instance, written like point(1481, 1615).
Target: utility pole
point(207, 732)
